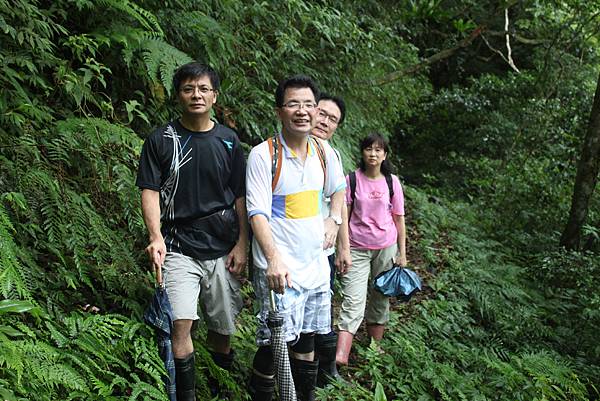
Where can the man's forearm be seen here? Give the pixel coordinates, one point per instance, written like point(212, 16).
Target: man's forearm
point(337, 201)
point(151, 212)
point(240, 209)
point(262, 232)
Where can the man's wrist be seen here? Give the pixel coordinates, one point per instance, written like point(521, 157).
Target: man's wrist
point(271, 256)
point(155, 236)
point(337, 219)
point(242, 240)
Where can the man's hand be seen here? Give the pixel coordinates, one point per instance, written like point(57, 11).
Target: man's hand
point(278, 275)
point(343, 261)
point(331, 231)
point(156, 252)
point(237, 259)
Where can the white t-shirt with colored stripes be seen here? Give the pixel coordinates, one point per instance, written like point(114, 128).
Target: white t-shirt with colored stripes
point(294, 208)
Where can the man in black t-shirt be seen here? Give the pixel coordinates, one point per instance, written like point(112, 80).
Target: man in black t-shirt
point(192, 175)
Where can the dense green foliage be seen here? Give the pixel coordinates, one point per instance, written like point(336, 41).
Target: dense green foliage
point(506, 315)
point(488, 332)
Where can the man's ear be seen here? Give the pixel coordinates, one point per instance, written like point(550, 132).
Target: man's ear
point(278, 111)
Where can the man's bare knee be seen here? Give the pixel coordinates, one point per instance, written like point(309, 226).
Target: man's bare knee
point(181, 338)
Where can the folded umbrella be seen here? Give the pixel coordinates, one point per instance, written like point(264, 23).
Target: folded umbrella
point(159, 314)
point(283, 372)
point(399, 282)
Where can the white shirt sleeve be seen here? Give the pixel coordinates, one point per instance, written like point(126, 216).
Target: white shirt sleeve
point(259, 195)
point(335, 176)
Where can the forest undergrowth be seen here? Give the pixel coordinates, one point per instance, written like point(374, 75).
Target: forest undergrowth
point(505, 314)
point(481, 329)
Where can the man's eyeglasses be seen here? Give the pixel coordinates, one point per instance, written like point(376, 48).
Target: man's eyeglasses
point(189, 89)
point(293, 105)
point(327, 117)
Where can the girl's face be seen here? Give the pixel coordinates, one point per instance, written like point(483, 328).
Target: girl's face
point(373, 155)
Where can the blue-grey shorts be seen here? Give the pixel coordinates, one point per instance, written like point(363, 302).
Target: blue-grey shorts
point(303, 310)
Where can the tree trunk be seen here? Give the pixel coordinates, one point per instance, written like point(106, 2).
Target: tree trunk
point(585, 181)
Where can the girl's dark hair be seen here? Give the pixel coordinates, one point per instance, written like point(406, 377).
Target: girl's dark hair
point(378, 139)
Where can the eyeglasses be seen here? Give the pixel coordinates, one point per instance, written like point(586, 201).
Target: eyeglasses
point(293, 105)
point(189, 89)
point(328, 117)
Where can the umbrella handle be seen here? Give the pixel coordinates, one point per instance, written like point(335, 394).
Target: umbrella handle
point(272, 300)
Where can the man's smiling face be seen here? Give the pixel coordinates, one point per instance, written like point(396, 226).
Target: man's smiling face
point(298, 113)
point(328, 119)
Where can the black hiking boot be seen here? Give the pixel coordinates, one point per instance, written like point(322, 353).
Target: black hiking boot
point(185, 378)
point(325, 346)
point(224, 361)
point(305, 378)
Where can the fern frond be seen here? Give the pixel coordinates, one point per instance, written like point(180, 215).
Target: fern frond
point(11, 356)
point(161, 60)
point(141, 15)
point(12, 274)
point(151, 392)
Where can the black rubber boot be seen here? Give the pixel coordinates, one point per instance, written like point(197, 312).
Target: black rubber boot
point(325, 346)
point(224, 361)
point(305, 378)
point(261, 388)
point(262, 381)
point(185, 378)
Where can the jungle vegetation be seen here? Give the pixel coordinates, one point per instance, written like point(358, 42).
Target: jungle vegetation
point(491, 111)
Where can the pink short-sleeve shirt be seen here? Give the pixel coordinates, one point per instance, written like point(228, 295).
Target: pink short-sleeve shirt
point(371, 224)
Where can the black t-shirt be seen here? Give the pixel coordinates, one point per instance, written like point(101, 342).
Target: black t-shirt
point(199, 175)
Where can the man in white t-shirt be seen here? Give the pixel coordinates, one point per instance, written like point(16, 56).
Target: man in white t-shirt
point(332, 112)
point(284, 209)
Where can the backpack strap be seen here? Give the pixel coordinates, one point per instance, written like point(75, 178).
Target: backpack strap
point(388, 179)
point(352, 179)
point(275, 150)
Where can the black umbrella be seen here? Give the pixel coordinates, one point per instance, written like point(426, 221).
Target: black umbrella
point(285, 381)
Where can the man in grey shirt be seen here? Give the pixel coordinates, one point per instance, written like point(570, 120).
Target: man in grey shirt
point(332, 112)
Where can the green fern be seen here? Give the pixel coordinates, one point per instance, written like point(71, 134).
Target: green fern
point(141, 15)
point(92, 359)
point(12, 273)
point(161, 60)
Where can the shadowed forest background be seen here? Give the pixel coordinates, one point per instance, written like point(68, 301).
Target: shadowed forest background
point(488, 107)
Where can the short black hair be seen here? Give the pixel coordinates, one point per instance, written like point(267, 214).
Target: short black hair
point(377, 138)
point(339, 102)
point(195, 70)
point(296, 81)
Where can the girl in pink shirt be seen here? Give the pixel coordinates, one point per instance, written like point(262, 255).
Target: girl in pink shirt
point(377, 238)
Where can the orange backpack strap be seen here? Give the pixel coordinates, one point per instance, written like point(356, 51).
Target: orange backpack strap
point(275, 150)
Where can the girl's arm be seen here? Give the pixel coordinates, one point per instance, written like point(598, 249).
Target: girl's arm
point(400, 227)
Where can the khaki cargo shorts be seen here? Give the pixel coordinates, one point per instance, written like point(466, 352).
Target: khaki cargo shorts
point(187, 279)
